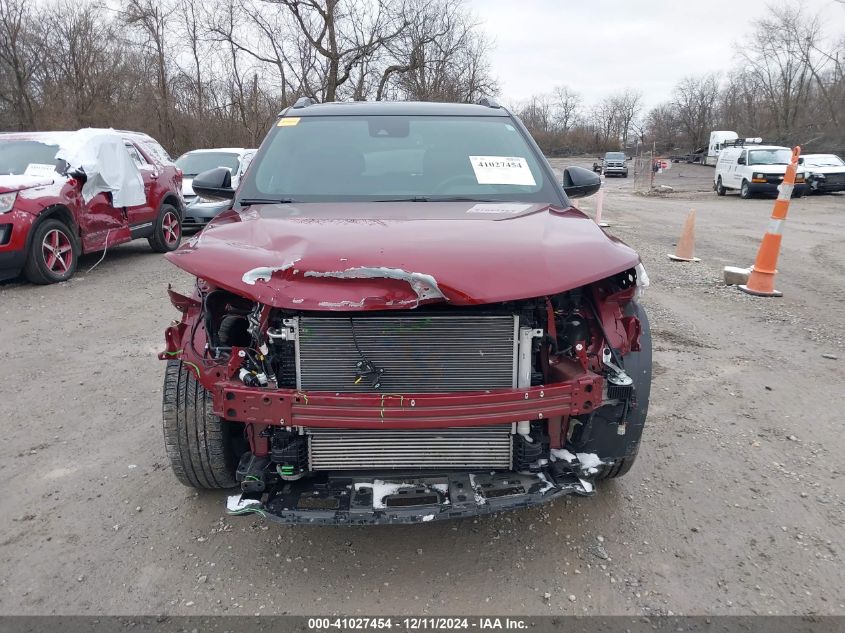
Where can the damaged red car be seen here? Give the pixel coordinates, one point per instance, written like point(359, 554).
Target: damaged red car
point(65, 194)
point(402, 319)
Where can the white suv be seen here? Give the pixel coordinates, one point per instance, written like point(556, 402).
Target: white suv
point(754, 169)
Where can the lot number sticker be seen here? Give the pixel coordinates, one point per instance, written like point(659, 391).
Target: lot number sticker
point(501, 170)
point(40, 169)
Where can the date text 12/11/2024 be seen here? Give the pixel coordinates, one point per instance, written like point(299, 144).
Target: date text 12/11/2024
point(416, 624)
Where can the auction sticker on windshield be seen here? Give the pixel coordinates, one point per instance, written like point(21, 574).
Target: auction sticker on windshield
point(40, 169)
point(501, 170)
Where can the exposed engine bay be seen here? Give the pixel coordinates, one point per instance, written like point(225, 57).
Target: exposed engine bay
point(414, 415)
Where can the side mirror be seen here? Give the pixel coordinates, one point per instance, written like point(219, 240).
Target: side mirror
point(78, 174)
point(214, 184)
point(740, 160)
point(579, 182)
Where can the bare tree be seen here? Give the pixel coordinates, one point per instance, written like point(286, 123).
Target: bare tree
point(344, 33)
point(441, 56)
point(567, 104)
point(150, 18)
point(825, 65)
point(775, 61)
point(193, 32)
point(19, 60)
point(627, 105)
point(663, 127)
point(82, 61)
point(603, 121)
point(695, 99)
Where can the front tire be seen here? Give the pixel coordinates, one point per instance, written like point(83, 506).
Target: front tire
point(167, 233)
point(53, 253)
point(720, 188)
point(198, 443)
point(745, 191)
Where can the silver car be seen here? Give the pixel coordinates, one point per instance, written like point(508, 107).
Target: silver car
point(199, 211)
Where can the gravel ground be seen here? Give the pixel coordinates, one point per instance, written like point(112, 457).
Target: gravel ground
point(735, 505)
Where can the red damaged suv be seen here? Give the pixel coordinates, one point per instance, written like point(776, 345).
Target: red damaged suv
point(115, 187)
point(403, 318)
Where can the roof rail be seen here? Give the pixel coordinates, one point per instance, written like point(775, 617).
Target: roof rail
point(740, 142)
point(489, 102)
point(303, 102)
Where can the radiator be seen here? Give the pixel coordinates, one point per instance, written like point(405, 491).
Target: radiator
point(417, 353)
point(385, 449)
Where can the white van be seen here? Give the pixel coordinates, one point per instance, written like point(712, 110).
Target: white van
point(754, 169)
point(718, 138)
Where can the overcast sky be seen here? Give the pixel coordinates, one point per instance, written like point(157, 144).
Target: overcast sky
point(597, 47)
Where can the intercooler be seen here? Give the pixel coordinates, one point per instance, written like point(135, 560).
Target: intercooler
point(411, 353)
point(349, 449)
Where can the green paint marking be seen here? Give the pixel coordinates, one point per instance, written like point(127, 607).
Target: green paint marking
point(196, 369)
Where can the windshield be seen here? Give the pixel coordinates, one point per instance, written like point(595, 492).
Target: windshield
point(769, 157)
point(194, 163)
point(614, 156)
point(385, 158)
point(26, 157)
point(824, 160)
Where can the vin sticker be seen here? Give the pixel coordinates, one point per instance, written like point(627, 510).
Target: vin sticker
point(499, 209)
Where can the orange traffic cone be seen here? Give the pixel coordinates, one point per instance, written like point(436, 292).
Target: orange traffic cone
point(685, 251)
point(761, 281)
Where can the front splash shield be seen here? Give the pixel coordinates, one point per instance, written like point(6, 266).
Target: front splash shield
point(396, 498)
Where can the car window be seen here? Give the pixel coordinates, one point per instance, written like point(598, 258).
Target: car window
point(769, 156)
point(824, 160)
point(156, 151)
point(17, 156)
point(194, 163)
point(349, 158)
point(136, 155)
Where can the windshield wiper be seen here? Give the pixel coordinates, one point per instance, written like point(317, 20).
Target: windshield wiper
point(436, 199)
point(467, 199)
point(245, 202)
point(408, 199)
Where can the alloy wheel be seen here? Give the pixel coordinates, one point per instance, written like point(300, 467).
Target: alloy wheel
point(58, 251)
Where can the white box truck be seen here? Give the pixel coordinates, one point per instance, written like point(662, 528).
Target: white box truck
point(717, 142)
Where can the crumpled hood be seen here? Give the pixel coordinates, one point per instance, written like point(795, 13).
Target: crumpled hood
point(17, 183)
point(376, 256)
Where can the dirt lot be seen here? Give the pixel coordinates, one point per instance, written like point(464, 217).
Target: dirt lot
point(736, 504)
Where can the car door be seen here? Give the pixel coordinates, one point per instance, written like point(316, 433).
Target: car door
point(100, 224)
point(738, 168)
point(724, 168)
point(141, 217)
